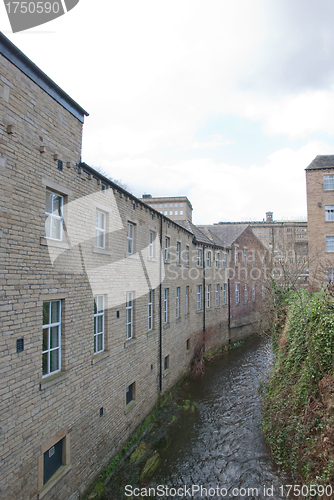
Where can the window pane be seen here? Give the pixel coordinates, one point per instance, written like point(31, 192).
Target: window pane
point(45, 339)
point(45, 363)
point(99, 345)
point(55, 228)
point(100, 303)
point(48, 202)
point(54, 360)
point(55, 316)
point(54, 340)
point(57, 202)
point(46, 309)
point(99, 324)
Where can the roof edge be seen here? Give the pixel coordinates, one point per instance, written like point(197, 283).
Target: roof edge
point(23, 63)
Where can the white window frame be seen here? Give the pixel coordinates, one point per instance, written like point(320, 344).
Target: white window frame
point(98, 314)
point(329, 243)
point(178, 252)
point(199, 257)
point(237, 293)
point(208, 258)
point(199, 297)
point(100, 230)
point(329, 212)
point(49, 350)
point(224, 260)
point(130, 238)
point(166, 297)
point(167, 244)
point(328, 182)
point(129, 315)
point(187, 255)
point(51, 218)
point(150, 309)
point(187, 299)
point(224, 294)
point(208, 296)
point(178, 289)
point(151, 244)
point(217, 259)
point(217, 294)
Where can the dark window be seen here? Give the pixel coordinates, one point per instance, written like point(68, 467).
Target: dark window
point(60, 165)
point(166, 362)
point(188, 344)
point(53, 460)
point(130, 393)
point(19, 345)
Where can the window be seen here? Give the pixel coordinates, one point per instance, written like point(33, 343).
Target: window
point(199, 297)
point(181, 212)
point(51, 337)
point(167, 362)
point(253, 294)
point(165, 205)
point(166, 305)
point(178, 252)
point(175, 212)
point(236, 255)
point(177, 302)
point(208, 259)
point(155, 205)
point(54, 216)
point(329, 243)
point(165, 212)
point(129, 315)
point(328, 182)
point(130, 393)
point(187, 299)
point(100, 229)
point(217, 295)
point(224, 260)
point(246, 293)
point(187, 255)
point(160, 205)
point(166, 248)
point(54, 458)
point(237, 294)
point(98, 323)
point(171, 212)
point(199, 256)
point(217, 259)
point(130, 238)
point(188, 344)
point(175, 205)
point(151, 245)
point(208, 296)
point(245, 257)
point(181, 205)
point(224, 293)
point(150, 310)
point(329, 212)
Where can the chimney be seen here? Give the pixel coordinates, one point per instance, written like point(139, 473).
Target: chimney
point(269, 216)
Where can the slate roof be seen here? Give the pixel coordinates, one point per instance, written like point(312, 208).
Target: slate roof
point(321, 162)
point(226, 234)
point(198, 234)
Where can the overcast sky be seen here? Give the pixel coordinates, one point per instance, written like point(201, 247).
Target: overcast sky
point(224, 101)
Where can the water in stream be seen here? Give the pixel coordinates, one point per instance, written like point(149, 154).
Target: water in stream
point(220, 445)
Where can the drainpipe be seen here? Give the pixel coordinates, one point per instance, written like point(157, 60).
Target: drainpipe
point(160, 308)
point(229, 307)
point(204, 291)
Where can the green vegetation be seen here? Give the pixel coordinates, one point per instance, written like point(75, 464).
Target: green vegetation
point(298, 418)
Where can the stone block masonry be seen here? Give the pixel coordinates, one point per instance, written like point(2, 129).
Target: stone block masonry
point(100, 299)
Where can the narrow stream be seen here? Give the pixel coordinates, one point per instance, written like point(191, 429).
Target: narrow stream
point(221, 445)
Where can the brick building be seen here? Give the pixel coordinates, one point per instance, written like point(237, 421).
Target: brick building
point(320, 215)
point(102, 298)
point(174, 207)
